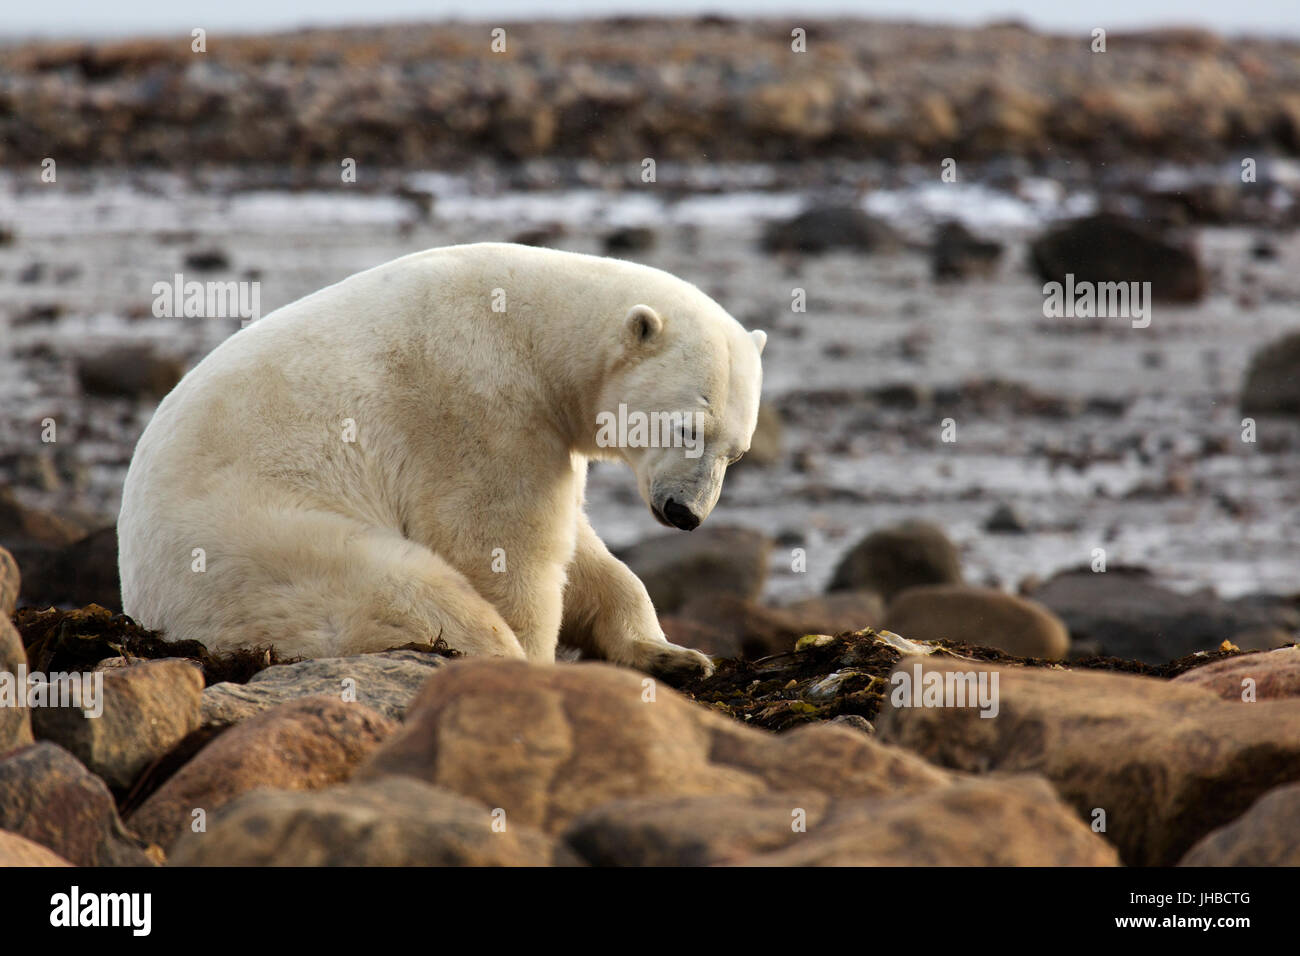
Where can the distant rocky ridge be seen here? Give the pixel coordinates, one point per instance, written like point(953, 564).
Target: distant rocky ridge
point(619, 90)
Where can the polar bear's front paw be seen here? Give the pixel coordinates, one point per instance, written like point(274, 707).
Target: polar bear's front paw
point(670, 662)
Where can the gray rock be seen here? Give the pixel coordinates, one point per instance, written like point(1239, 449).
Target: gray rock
point(47, 796)
point(710, 560)
point(1272, 385)
point(1122, 612)
point(824, 228)
point(147, 709)
point(385, 682)
point(892, 559)
point(392, 821)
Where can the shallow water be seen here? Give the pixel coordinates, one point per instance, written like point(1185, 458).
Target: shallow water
point(1153, 470)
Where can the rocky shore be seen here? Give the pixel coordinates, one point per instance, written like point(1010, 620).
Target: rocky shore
point(616, 91)
point(810, 755)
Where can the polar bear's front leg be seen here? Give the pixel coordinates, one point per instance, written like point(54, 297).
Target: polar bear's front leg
point(608, 613)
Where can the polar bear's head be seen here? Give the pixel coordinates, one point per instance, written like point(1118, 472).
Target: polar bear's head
point(681, 402)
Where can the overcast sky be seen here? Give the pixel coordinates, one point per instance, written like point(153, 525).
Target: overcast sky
point(97, 17)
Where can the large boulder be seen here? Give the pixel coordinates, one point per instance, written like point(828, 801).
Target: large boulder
point(386, 682)
point(145, 710)
point(1268, 834)
point(892, 559)
point(1010, 821)
point(837, 612)
point(82, 572)
point(982, 616)
point(305, 744)
point(1272, 383)
point(129, 371)
point(48, 797)
point(545, 743)
point(1124, 613)
point(1109, 248)
point(1166, 764)
point(393, 821)
point(714, 559)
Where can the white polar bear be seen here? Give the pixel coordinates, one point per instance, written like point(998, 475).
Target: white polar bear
point(402, 457)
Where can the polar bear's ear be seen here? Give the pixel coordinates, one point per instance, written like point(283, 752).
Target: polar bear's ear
point(642, 324)
point(760, 339)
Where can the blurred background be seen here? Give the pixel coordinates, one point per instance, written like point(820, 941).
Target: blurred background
point(886, 197)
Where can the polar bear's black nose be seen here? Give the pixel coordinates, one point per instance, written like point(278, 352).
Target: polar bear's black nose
point(680, 516)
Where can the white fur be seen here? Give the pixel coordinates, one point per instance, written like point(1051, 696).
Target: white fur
point(473, 432)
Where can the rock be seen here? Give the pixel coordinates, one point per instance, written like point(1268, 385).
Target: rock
point(10, 583)
point(902, 556)
point(1010, 821)
point(837, 612)
point(19, 851)
point(705, 639)
point(980, 616)
point(1268, 834)
point(1108, 248)
point(129, 371)
point(1005, 520)
point(824, 228)
point(629, 239)
point(956, 253)
point(30, 533)
point(80, 573)
point(1272, 383)
point(1122, 612)
point(1272, 674)
point(546, 743)
point(1166, 763)
point(145, 710)
point(385, 682)
point(756, 630)
point(48, 797)
point(305, 744)
point(15, 722)
point(207, 260)
point(714, 559)
point(393, 821)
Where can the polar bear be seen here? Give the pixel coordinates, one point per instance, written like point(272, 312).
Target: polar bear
point(402, 457)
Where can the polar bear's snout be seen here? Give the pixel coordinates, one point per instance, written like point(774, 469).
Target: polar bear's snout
point(678, 515)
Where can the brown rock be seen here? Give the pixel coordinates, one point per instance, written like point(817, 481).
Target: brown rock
point(754, 629)
point(1166, 763)
point(393, 821)
point(19, 851)
point(906, 555)
point(1005, 821)
point(980, 616)
point(305, 744)
point(1268, 834)
point(145, 710)
point(10, 581)
point(1270, 674)
point(15, 720)
point(837, 612)
point(48, 797)
point(547, 742)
